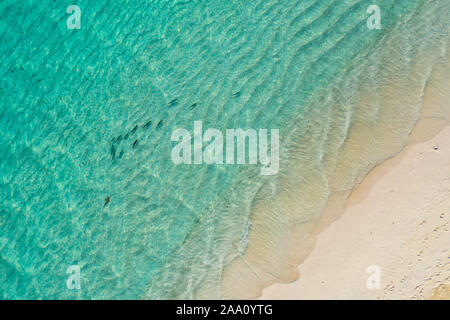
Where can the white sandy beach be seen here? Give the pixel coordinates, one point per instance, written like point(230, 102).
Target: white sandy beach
point(397, 220)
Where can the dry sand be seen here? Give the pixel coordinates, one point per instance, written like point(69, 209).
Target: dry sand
point(397, 220)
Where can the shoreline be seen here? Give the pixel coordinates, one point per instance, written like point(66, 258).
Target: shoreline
point(409, 245)
point(382, 119)
point(345, 232)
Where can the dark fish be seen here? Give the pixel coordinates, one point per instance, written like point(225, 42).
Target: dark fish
point(121, 154)
point(147, 124)
point(134, 144)
point(134, 129)
point(159, 124)
point(173, 101)
point(126, 136)
point(107, 200)
point(193, 106)
point(237, 94)
point(119, 138)
point(113, 152)
point(181, 3)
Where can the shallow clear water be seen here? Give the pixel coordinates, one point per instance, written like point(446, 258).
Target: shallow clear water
point(68, 96)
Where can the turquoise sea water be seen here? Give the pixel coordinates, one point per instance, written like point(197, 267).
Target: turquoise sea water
point(70, 101)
